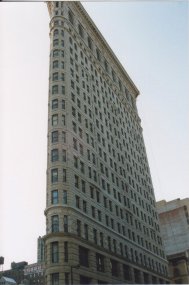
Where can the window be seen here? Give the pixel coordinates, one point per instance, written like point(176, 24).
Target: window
point(55, 53)
point(64, 137)
point(54, 154)
point(83, 256)
point(55, 42)
point(101, 239)
point(71, 17)
point(55, 278)
point(76, 181)
point(65, 221)
point(54, 175)
point(55, 89)
point(63, 120)
point(55, 64)
point(78, 227)
point(55, 223)
point(99, 216)
point(93, 211)
point(64, 175)
point(66, 278)
point(85, 206)
point(54, 136)
point(54, 104)
point(54, 120)
point(75, 161)
point(54, 252)
point(89, 42)
point(65, 197)
point(126, 272)
point(64, 155)
point(63, 105)
point(77, 202)
point(95, 236)
point(55, 76)
point(114, 267)
point(66, 251)
point(74, 143)
point(83, 186)
point(98, 54)
point(54, 197)
point(63, 90)
point(100, 262)
point(80, 29)
point(86, 234)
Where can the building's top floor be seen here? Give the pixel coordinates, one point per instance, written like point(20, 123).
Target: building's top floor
point(164, 206)
point(75, 13)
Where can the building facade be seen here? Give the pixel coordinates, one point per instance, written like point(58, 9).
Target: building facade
point(174, 225)
point(34, 274)
point(101, 220)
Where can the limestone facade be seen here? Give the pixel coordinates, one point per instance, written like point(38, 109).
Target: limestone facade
point(101, 221)
point(174, 226)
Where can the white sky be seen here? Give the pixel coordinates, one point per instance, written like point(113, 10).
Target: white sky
point(151, 41)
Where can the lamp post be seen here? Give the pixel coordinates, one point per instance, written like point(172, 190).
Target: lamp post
point(71, 271)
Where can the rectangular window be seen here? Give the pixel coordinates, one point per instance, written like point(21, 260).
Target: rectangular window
point(86, 234)
point(93, 211)
point(65, 197)
point(126, 272)
point(55, 89)
point(77, 202)
point(64, 175)
point(85, 206)
point(66, 278)
point(63, 90)
point(100, 262)
point(54, 136)
point(83, 186)
point(80, 29)
point(54, 104)
point(54, 155)
point(66, 251)
point(55, 76)
point(64, 155)
point(71, 17)
point(65, 223)
point(55, 278)
point(63, 120)
point(83, 256)
point(64, 137)
point(55, 120)
point(101, 239)
point(55, 42)
point(54, 197)
point(95, 236)
point(114, 267)
point(54, 175)
point(78, 227)
point(63, 104)
point(54, 252)
point(76, 181)
point(55, 223)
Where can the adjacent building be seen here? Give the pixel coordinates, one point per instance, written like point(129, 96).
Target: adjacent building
point(101, 221)
point(34, 274)
point(174, 224)
point(7, 281)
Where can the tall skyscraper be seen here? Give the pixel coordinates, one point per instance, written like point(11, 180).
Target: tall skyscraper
point(102, 224)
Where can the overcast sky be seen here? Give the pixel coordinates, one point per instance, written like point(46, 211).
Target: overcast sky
point(151, 41)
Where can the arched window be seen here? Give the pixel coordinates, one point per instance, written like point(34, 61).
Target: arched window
point(56, 32)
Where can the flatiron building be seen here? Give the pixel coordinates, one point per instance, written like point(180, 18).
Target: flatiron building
point(101, 222)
